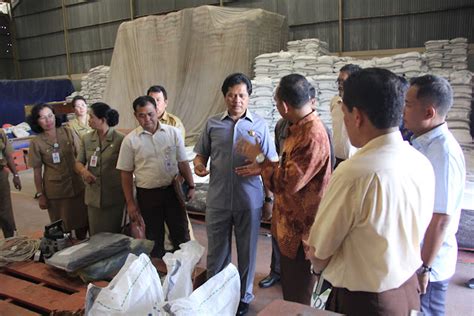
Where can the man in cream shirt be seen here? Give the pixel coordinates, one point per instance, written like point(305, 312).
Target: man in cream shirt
point(342, 146)
point(366, 236)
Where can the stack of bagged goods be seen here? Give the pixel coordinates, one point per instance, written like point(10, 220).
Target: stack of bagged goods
point(274, 65)
point(458, 115)
point(326, 88)
point(442, 55)
point(409, 64)
point(93, 85)
point(309, 46)
point(325, 65)
point(456, 54)
point(305, 64)
point(261, 101)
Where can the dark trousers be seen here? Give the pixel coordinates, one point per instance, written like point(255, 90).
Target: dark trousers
point(275, 263)
point(396, 302)
point(434, 300)
point(7, 222)
point(297, 282)
point(158, 206)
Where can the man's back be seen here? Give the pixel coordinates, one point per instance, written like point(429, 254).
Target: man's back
point(375, 200)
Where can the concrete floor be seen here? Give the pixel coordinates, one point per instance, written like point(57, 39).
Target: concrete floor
point(29, 218)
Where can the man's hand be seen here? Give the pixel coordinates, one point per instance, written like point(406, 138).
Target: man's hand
point(17, 182)
point(191, 193)
point(267, 211)
point(88, 176)
point(252, 169)
point(423, 280)
point(133, 212)
point(43, 202)
point(200, 170)
point(247, 149)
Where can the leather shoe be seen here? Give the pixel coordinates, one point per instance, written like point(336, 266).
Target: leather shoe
point(268, 281)
point(243, 309)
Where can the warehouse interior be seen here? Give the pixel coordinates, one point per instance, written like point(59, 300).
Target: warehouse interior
point(112, 51)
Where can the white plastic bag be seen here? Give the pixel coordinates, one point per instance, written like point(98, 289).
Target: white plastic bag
point(180, 266)
point(220, 295)
point(135, 290)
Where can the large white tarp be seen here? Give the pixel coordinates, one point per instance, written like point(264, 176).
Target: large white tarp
point(189, 52)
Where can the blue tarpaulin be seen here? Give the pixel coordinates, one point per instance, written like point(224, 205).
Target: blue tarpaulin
point(15, 94)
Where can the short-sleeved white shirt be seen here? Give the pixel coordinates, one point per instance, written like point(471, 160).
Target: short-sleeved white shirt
point(153, 158)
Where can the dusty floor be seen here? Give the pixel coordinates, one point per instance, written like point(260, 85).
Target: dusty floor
point(29, 219)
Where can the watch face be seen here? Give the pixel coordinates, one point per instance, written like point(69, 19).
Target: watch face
point(260, 158)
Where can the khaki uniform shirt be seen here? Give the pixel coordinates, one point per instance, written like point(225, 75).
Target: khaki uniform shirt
point(173, 120)
point(107, 189)
point(5, 148)
point(59, 179)
point(78, 128)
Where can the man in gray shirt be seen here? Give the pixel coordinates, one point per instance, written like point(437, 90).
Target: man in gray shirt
point(233, 201)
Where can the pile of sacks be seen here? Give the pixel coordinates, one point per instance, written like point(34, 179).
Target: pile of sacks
point(137, 288)
point(93, 85)
point(458, 116)
point(309, 46)
point(274, 65)
point(446, 54)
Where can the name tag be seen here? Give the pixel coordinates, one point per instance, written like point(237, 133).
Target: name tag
point(56, 158)
point(93, 162)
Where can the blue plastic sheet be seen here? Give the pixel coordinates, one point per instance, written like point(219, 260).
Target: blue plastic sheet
point(15, 94)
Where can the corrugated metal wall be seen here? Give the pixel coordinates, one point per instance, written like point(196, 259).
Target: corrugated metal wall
point(92, 26)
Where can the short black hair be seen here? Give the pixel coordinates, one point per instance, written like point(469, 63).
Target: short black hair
point(104, 111)
point(350, 69)
point(157, 89)
point(32, 120)
point(76, 98)
point(377, 92)
point(235, 79)
point(294, 90)
point(435, 90)
point(142, 101)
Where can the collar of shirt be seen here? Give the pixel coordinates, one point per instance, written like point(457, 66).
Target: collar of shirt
point(389, 138)
point(165, 117)
point(247, 115)
point(425, 139)
point(140, 130)
point(295, 127)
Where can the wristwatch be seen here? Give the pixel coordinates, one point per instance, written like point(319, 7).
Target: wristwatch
point(260, 158)
point(268, 199)
point(424, 269)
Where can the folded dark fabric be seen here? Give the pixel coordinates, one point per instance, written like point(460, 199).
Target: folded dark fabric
point(97, 247)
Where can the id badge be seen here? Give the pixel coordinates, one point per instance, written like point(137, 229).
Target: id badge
point(56, 158)
point(93, 162)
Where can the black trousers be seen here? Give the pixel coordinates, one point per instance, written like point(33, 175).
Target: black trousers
point(158, 206)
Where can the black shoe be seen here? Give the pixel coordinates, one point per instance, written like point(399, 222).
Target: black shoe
point(243, 309)
point(268, 281)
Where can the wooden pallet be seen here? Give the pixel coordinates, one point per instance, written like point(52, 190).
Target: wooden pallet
point(32, 288)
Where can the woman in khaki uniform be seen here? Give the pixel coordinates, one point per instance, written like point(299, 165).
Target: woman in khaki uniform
point(7, 221)
point(79, 124)
point(96, 162)
point(59, 188)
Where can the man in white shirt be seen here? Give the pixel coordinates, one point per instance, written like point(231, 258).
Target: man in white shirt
point(427, 102)
point(342, 146)
point(155, 153)
point(366, 236)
